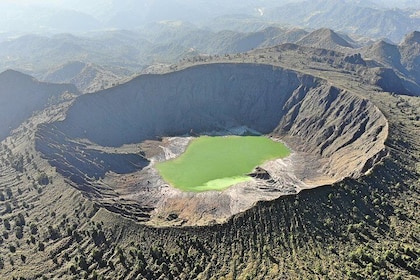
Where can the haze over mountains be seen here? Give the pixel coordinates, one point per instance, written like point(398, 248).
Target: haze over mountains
point(96, 44)
point(390, 19)
point(100, 60)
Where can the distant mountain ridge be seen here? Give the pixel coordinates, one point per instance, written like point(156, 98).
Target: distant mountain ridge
point(87, 77)
point(168, 42)
point(348, 16)
point(104, 59)
point(374, 18)
point(324, 38)
point(404, 57)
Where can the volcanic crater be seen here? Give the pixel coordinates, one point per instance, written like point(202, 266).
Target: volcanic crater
point(108, 143)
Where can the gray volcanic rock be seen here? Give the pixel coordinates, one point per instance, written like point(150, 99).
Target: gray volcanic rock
point(21, 95)
point(334, 134)
point(215, 97)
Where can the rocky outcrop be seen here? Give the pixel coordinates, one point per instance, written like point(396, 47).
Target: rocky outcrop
point(334, 134)
point(21, 95)
point(336, 125)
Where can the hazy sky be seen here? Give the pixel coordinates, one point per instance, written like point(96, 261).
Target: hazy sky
point(52, 16)
point(60, 15)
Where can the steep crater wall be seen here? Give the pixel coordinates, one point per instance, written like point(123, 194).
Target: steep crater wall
point(203, 98)
point(333, 133)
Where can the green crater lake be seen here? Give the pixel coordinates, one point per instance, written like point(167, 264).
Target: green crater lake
point(215, 163)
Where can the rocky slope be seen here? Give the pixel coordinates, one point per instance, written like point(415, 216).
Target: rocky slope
point(404, 58)
point(22, 95)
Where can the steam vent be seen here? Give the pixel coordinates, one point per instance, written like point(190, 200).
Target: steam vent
point(109, 142)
